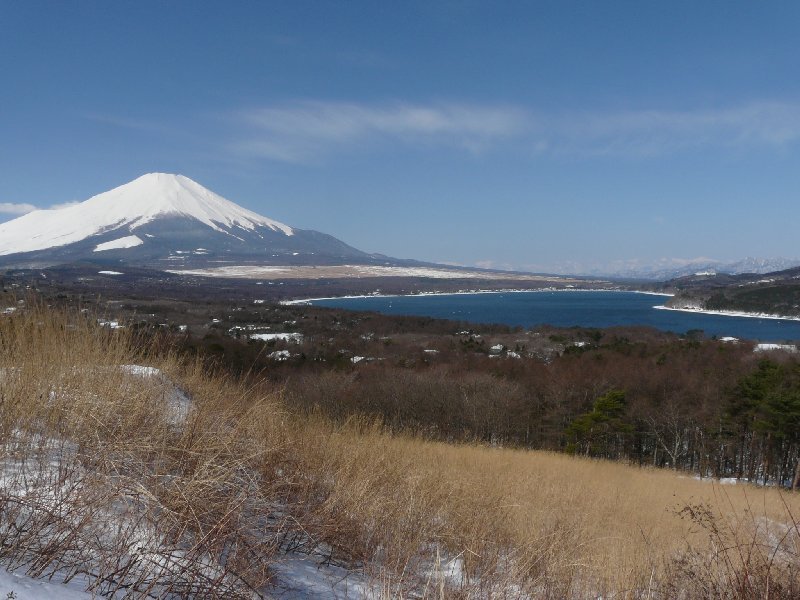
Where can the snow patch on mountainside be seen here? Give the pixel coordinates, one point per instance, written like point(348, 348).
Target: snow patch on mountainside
point(128, 207)
point(129, 241)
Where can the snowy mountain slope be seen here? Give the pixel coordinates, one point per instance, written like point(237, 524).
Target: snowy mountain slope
point(162, 219)
point(132, 205)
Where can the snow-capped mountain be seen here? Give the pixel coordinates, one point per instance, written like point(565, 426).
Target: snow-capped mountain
point(162, 219)
point(760, 265)
point(667, 269)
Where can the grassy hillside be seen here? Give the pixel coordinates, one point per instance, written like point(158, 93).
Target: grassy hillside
point(174, 481)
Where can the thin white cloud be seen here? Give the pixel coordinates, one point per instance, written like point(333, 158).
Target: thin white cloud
point(345, 121)
point(64, 205)
point(305, 130)
point(18, 209)
point(10, 208)
point(655, 132)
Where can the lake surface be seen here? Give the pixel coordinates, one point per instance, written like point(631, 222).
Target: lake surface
point(567, 309)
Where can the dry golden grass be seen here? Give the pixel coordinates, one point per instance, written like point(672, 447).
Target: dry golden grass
point(232, 481)
point(549, 524)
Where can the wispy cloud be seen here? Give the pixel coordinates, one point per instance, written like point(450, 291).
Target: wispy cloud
point(10, 208)
point(295, 132)
point(23, 208)
point(655, 132)
point(64, 205)
point(306, 130)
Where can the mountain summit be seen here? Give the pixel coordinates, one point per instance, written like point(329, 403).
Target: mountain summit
point(164, 219)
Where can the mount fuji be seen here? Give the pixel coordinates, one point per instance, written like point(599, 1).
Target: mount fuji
point(166, 221)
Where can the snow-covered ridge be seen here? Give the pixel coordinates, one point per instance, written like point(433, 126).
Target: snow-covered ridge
point(129, 206)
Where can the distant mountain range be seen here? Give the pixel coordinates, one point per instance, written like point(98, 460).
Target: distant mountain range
point(675, 268)
point(166, 221)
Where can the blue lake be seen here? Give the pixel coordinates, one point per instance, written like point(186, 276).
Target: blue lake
point(567, 309)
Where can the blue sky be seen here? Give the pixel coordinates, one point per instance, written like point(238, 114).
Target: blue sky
point(530, 135)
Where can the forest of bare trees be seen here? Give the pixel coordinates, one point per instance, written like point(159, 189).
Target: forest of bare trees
point(702, 406)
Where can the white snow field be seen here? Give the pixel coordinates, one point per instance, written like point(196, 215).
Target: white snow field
point(128, 206)
point(765, 347)
point(286, 337)
point(21, 587)
point(728, 313)
point(356, 271)
point(129, 241)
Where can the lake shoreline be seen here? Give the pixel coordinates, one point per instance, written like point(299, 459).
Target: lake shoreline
point(299, 302)
point(597, 308)
point(730, 313)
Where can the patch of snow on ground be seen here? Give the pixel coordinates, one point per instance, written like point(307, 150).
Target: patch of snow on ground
point(357, 271)
point(178, 402)
point(297, 576)
point(26, 588)
point(140, 370)
point(301, 577)
point(417, 272)
point(286, 337)
point(109, 272)
point(447, 571)
point(110, 324)
point(129, 241)
point(770, 347)
point(728, 313)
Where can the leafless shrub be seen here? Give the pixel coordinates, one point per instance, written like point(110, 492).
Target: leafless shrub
point(748, 556)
